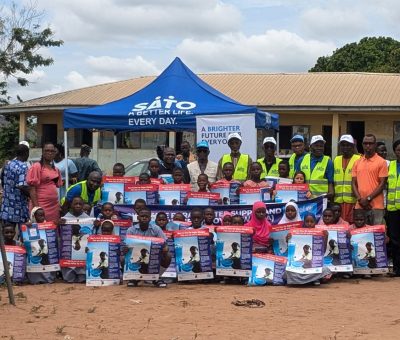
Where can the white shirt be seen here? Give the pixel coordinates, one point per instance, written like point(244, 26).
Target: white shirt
point(194, 172)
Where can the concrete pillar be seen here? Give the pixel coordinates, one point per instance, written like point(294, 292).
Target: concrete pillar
point(335, 134)
point(22, 126)
point(172, 139)
point(95, 148)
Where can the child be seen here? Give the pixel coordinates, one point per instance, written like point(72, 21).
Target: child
point(162, 220)
point(177, 175)
point(144, 178)
point(209, 217)
point(300, 178)
point(154, 167)
point(76, 210)
point(196, 217)
point(283, 169)
point(327, 217)
point(107, 227)
point(255, 180)
point(291, 213)
point(337, 212)
point(359, 219)
point(107, 213)
point(237, 220)
point(139, 205)
point(195, 259)
point(227, 218)
point(202, 183)
point(87, 208)
point(261, 226)
point(118, 170)
point(9, 234)
point(179, 217)
point(227, 172)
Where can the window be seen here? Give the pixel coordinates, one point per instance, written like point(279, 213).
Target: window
point(287, 132)
point(128, 140)
point(396, 131)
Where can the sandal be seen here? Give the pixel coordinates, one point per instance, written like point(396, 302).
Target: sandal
point(132, 283)
point(160, 284)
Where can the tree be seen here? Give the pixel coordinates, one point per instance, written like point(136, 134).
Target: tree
point(370, 54)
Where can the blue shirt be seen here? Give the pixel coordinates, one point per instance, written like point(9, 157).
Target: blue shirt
point(329, 168)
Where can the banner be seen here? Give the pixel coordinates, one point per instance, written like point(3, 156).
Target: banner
point(193, 254)
point(369, 250)
point(233, 250)
point(337, 255)
point(267, 270)
point(73, 241)
point(40, 241)
point(215, 130)
point(279, 234)
point(16, 262)
point(102, 260)
point(142, 261)
point(306, 251)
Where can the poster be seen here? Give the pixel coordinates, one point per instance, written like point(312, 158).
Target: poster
point(203, 198)
point(16, 262)
point(248, 196)
point(173, 194)
point(113, 189)
point(290, 192)
point(267, 270)
point(102, 260)
point(142, 262)
point(228, 192)
point(147, 192)
point(306, 251)
point(273, 181)
point(178, 225)
point(337, 255)
point(40, 242)
point(193, 254)
point(279, 233)
point(121, 227)
point(215, 130)
point(233, 250)
point(369, 250)
point(73, 242)
point(171, 270)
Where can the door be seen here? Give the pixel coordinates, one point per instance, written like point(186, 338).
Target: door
point(327, 134)
point(49, 133)
point(357, 130)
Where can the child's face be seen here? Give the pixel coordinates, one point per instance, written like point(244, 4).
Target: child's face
point(196, 217)
point(143, 252)
point(107, 211)
point(309, 222)
point(369, 247)
point(209, 215)
point(193, 251)
point(337, 211)
point(290, 212)
point(103, 256)
point(154, 167)
point(76, 228)
point(179, 217)
point(77, 205)
point(228, 172)
point(299, 179)
point(139, 206)
point(283, 170)
point(8, 232)
point(227, 220)
point(39, 215)
point(144, 218)
point(255, 171)
point(107, 228)
point(328, 217)
point(237, 221)
point(87, 208)
point(261, 213)
point(178, 177)
point(118, 196)
point(306, 249)
point(41, 243)
point(118, 171)
point(162, 221)
point(143, 179)
point(202, 182)
point(234, 247)
point(359, 221)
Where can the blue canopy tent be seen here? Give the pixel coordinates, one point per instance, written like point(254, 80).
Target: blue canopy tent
point(170, 103)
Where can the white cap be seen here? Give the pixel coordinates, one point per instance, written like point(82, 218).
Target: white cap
point(269, 140)
point(234, 135)
point(317, 138)
point(24, 142)
point(347, 138)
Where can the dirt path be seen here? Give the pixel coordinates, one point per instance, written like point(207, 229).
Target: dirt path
point(351, 309)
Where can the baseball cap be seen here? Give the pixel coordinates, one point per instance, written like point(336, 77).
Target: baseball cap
point(317, 138)
point(234, 135)
point(347, 138)
point(269, 140)
point(297, 138)
point(24, 142)
point(202, 144)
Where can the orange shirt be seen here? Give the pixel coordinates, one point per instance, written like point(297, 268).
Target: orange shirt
point(368, 171)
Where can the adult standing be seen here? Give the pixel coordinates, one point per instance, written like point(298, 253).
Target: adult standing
point(318, 169)
point(202, 166)
point(61, 164)
point(169, 163)
point(393, 208)
point(269, 163)
point(241, 162)
point(44, 179)
point(14, 206)
point(186, 156)
point(343, 166)
point(298, 147)
point(369, 178)
point(84, 164)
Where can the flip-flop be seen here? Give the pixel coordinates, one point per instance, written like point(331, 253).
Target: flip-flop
point(160, 284)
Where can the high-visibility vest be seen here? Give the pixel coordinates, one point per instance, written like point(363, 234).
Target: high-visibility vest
point(241, 168)
point(292, 170)
point(273, 171)
point(393, 196)
point(84, 193)
point(342, 180)
point(316, 179)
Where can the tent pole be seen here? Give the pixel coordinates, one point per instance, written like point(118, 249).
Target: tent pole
point(66, 158)
point(115, 147)
point(277, 143)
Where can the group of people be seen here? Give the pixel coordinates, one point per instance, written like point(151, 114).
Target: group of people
point(362, 189)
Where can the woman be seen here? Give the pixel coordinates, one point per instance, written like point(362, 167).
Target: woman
point(44, 179)
point(61, 163)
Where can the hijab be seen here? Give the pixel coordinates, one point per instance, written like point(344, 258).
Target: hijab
point(297, 218)
point(33, 212)
point(261, 227)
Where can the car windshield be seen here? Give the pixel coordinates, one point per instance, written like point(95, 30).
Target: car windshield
point(136, 168)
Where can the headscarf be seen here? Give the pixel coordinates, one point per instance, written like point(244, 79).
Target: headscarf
point(33, 211)
point(261, 228)
point(297, 218)
point(308, 213)
point(225, 214)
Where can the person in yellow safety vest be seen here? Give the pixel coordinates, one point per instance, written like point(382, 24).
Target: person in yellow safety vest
point(393, 208)
point(343, 166)
point(318, 169)
point(88, 190)
point(241, 162)
point(269, 163)
point(298, 147)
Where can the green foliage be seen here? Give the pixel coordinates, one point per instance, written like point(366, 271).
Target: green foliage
point(373, 54)
point(9, 135)
point(21, 42)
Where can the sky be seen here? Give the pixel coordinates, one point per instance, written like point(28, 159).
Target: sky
point(111, 40)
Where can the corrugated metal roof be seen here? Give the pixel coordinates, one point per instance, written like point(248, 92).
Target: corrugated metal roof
point(267, 90)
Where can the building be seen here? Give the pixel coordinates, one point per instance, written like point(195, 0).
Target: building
point(308, 103)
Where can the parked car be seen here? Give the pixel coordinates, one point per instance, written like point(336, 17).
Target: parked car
point(137, 168)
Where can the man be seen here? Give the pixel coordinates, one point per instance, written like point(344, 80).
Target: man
point(318, 169)
point(14, 207)
point(84, 164)
point(202, 165)
point(169, 163)
point(298, 148)
point(88, 190)
point(186, 156)
point(241, 162)
point(369, 178)
point(343, 166)
point(269, 163)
